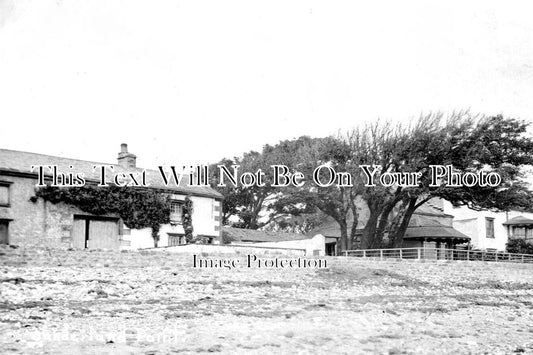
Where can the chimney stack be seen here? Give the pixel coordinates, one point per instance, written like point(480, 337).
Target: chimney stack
point(126, 159)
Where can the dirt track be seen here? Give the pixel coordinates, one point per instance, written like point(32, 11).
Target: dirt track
point(155, 303)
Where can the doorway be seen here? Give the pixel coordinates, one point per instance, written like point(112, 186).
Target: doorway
point(4, 231)
point(90, 232)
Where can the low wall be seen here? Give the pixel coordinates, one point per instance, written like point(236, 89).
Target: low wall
point(312, 246)
point(230, 249)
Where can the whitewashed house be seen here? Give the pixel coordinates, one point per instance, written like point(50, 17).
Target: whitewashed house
point(491, 230)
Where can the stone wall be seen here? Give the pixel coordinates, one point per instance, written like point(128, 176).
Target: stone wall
point(42, 223)
point(27, 219)
point(38, 223)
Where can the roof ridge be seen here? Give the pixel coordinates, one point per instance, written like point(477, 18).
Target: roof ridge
point(53, 156)
point(80, 160)
point(21, 157)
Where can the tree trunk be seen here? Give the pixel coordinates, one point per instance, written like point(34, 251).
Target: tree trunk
point(353, 231)
point(369, 231)
point(397, 237)
point(344, 237)
point(383, 221)
point(256, 209)
point(155, 234)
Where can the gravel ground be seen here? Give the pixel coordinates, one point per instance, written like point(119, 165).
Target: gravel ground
point(96, 302)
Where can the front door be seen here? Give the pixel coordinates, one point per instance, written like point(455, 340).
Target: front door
point(4, 236)
point(79, 235)
point(330, 248)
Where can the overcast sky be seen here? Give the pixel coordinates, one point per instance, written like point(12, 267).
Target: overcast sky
point(194, 81)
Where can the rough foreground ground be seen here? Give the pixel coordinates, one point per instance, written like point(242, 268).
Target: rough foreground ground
point(68, 302)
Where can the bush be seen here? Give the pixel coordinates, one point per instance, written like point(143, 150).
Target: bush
point(519, 246)
point(226, 238)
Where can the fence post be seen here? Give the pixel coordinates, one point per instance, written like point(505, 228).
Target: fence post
point(380, 254)
point(468, 255)
point(418, 252)
point(364, 253)
point(401, 254)
point(522, 258)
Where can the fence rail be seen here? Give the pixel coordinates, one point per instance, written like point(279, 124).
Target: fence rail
point(439, 254)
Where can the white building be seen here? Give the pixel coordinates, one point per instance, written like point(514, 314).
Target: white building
point(491, 230)
point(312, 245)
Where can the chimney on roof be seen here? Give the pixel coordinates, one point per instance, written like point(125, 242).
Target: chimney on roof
point(126, 159)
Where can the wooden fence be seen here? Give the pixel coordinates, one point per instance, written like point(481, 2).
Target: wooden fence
point(439, 254)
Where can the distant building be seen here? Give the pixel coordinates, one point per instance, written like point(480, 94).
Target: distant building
point(313, 245)
point(40, 223)
point(491, 230)
point(429, 227)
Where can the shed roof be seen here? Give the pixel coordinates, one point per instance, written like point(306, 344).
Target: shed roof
point(250, 235)
point(517, 221)
point(422, 227)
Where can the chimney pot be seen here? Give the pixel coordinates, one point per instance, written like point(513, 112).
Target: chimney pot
point(125, 158)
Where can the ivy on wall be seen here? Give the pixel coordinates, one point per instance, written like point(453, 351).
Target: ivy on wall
point(139, 208)
point(186, 219)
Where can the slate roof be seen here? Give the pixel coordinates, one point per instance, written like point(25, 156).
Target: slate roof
point(329, 229)
point(21, 162)
point(429, 209)
point(258, 236)
point(421, 226)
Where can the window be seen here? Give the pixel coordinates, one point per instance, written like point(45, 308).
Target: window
point(525, 233)
point(519, 232)
point(529, 234)
point(176, 209)
point(176, 239)
point(4, 232)
point(489, 227)
point(4, 194)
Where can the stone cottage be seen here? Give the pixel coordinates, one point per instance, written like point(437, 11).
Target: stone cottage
point(27, 221)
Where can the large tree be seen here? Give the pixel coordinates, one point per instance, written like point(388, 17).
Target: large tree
point(254, 207)
point(337, 202)
point(470, 144)
point(490, 144)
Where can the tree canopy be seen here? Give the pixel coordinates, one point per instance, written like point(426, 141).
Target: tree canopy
point(470, 144)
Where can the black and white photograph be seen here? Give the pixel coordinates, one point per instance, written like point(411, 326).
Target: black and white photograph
point(266, 177)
